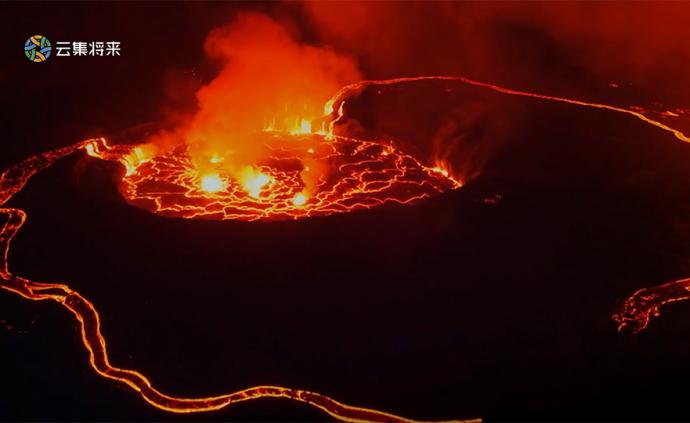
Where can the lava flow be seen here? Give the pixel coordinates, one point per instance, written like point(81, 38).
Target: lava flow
point(362, 174)
point(12, 181)
point(644, 304)
point(302, 173)
point(366, 174)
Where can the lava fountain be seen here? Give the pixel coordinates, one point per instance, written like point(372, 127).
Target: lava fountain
point(262, 146)
point(208, 187)
point(365, 174)
point(258, 146)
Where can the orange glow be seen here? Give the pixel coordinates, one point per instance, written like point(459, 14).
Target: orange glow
point(362, 178)
point(297, 126)
point(440, 169)
point(328, 107)
point(139, 155)
point(645, 303)
point(268, 81)
point(12, 181)
point(304, 127)
point(340, 97)
point(352, 184)
point(253, 181)
point(356, 187)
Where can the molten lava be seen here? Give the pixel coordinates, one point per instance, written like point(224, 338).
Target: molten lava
point(643, 304)
point(14, 179)
point(363, 174)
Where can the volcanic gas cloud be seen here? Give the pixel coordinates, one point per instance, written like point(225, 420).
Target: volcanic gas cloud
point(259, 145)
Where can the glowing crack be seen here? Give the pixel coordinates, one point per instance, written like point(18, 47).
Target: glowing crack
point(280, 193)
point(362, 175)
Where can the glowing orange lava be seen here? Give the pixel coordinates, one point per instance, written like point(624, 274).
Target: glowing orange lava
point(366, 174)
point(336, 103)
point(641, 306)
point(12, 181)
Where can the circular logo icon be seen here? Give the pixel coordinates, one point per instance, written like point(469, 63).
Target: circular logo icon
point(37, 48)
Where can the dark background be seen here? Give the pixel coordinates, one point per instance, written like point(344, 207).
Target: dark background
point(452, 308)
